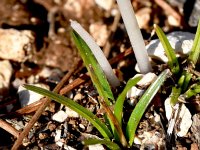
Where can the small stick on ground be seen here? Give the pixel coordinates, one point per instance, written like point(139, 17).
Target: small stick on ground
point(106, 48)
point(9, 128)
point(167, 8)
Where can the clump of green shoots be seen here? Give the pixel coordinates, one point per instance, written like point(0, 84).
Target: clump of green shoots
point(114, 137)
point(111, 129)
point(184, 74)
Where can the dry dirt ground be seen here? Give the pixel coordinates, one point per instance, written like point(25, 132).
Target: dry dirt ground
point(49, 53)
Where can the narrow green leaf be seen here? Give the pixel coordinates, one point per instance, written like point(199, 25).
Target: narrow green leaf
point(115, 126)
point(143, 103)
point(90, 60)
point(183, 83)
point(109, 144)
point(95, 80)
point(176, 91)
point(95, 121)
point(193, 90)
point(172, 60)
point(194, 53)
point(118, 109)
point(188, 77)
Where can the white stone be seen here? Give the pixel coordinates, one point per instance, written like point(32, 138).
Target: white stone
point(147, 79)
point(181, 113)
point(60, 116)
point(105, 4)
point(77, 8)
point(137, 140)
point(15, 44)
point(78, 96)
point(186, 121)
point(173, 21)
point(96, 147)
point(71, 113)
point(27, 97)
point(99, 32)
point(58, 135)
point(181, 41)
point(134, 92)
point(143, 16)
point(68, 147)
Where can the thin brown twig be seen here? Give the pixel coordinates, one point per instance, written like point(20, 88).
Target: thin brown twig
point(106, 48)
point(167, 8)
point(9, 128)
point(38, 113)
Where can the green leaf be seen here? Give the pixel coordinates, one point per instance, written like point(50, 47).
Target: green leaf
point(89, 60)
point(109, 144)
point(194, 53)
point(187, 79)
point(118, 109)
point(95, 121)
point(172, 60)
point(183, 83)
point(193, 90)
point(143, 103)
point(115, 126)
point(176, 91)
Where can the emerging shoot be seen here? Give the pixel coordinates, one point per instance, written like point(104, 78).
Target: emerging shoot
point(135, 35)
point(102, 60)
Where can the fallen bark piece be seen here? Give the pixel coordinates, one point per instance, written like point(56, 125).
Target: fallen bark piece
point(16, 45)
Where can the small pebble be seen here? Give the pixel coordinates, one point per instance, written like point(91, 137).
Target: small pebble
point(147, 79)
point(105, 4)
point(78, 96)
point(137, 140)
point(99, 32)
point(82, 126)
point(71, 113)
point(96, 147)
point(13, 43)
point(43, 136)
point(51, 126)
point(60, 116)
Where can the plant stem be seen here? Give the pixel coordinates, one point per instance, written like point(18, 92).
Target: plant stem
point(135, 35)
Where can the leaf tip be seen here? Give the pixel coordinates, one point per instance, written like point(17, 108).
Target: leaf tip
point(155, 26)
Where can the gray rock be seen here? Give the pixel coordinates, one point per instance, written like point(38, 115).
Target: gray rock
point(195, 15)
point(181, 41)
point(189, 8)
